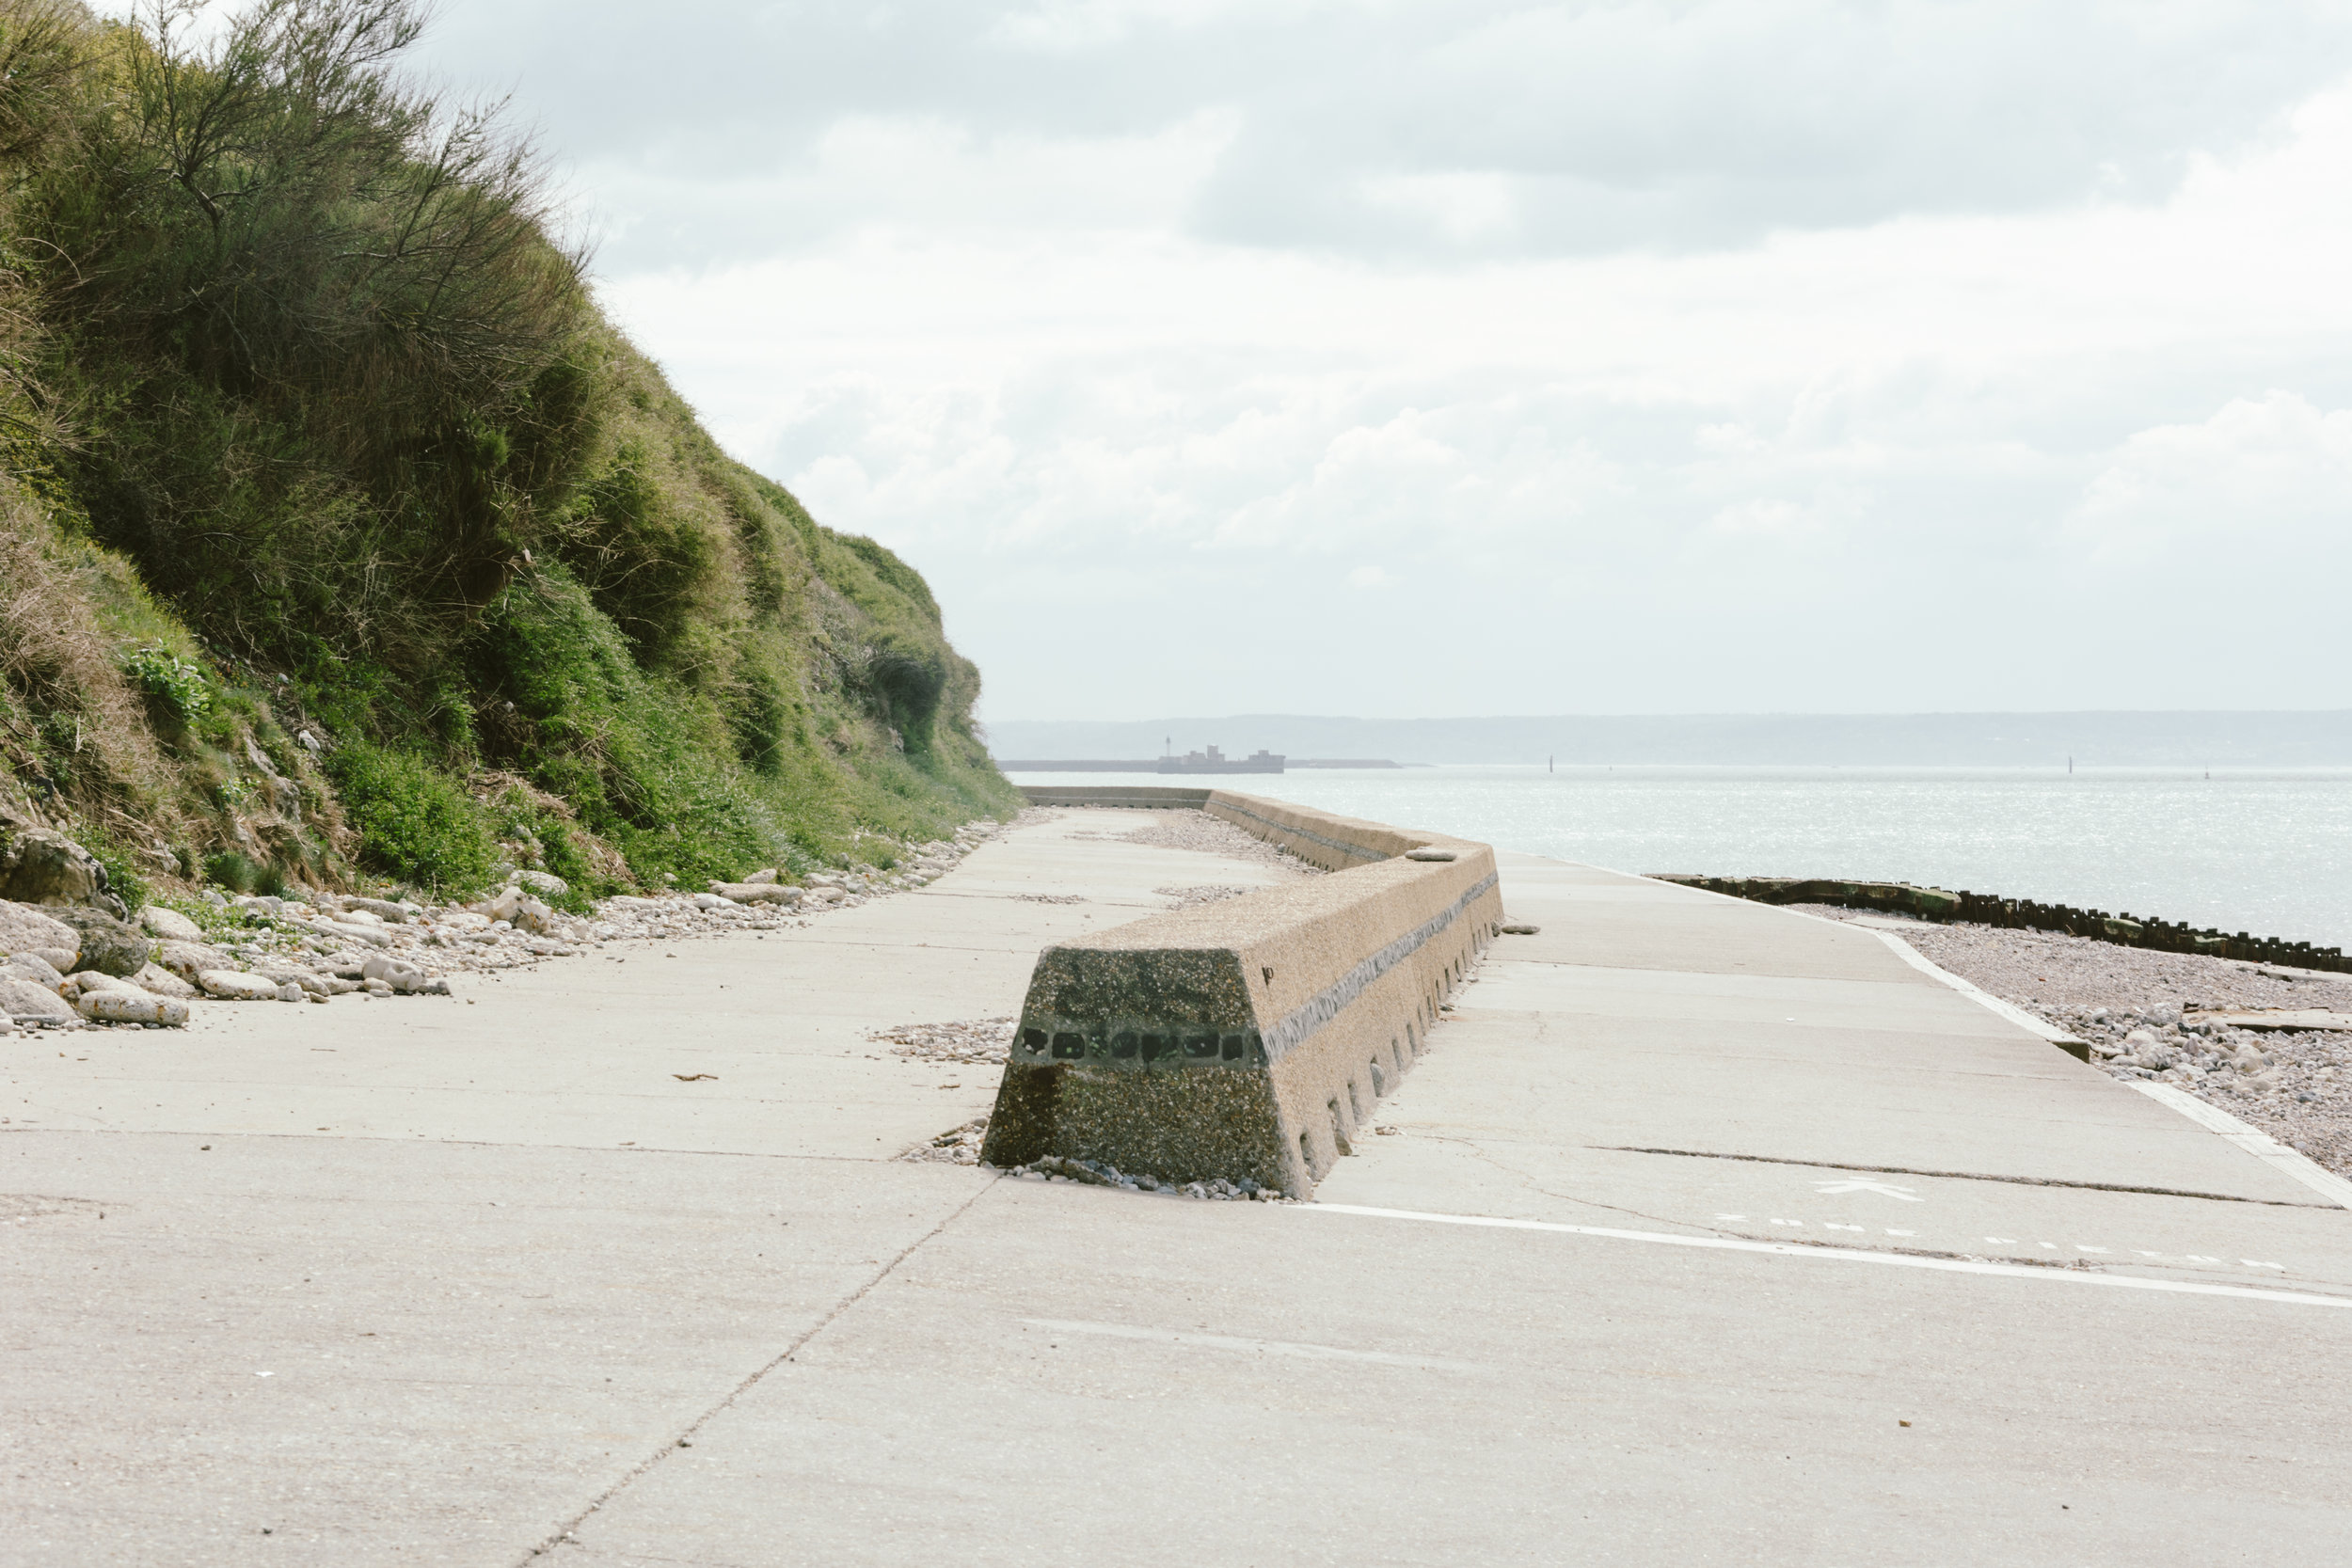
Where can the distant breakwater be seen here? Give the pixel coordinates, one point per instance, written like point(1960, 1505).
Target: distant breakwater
point(1984, 909)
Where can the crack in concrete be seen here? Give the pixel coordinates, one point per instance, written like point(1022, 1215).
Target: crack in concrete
point(1480, 1152)
point(1964, 1176)
point(566, 1531)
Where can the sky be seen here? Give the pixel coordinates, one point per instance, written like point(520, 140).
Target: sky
point(1395, 358)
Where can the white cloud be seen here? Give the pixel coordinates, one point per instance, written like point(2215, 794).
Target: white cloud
point(1399, 127)
point(1486, 356)
point(2271, 477)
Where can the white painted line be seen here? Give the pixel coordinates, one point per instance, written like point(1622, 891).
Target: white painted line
point(2252, 1139)
point(2015, 1014)
point(1856, 1184)
point(2260, 1145)
point(1838, 1255)
point(1254, 1347)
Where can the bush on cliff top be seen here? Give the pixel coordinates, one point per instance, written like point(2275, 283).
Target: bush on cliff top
point(292, 338)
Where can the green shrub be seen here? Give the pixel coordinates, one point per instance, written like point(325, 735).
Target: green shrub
point(236, 872)
point(414, 821)
point(124, 878)
point(175, 683)
point(293, 340)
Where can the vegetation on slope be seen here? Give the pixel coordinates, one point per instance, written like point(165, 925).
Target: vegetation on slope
point(338, 528)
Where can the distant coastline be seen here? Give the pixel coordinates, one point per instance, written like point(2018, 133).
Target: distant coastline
point(2091, 740)
point(1163, 765)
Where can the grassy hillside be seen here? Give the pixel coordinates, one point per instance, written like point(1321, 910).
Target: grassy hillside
point(339, 534)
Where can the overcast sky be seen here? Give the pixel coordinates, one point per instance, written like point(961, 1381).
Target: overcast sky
point(1396, 358)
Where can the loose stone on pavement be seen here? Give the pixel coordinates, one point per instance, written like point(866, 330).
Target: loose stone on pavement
point(1196, 829)
point(984, 1042)
point(57, 962)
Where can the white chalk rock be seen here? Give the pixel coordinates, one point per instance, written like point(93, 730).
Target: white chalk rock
point(383, 909)
point(89, 981)
point(292, 975)
point(116, 1007)
point(33, 967)
point(351, 928)
point(25, 930)
point(504, 906)
point(170, 925)
point(757, 893)
point(28, 1002)
point(768, 875)
point(234, 985)
point(402, 977)
point(187, 959)
point(156, 980)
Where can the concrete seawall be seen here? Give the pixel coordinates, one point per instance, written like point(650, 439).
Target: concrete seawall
point(1251, 1038)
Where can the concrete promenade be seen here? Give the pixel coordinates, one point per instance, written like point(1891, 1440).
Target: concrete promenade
point(1813, 1260)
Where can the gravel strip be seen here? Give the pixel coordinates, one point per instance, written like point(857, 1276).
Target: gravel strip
point(958, 1146)
point(2138, 1010)
point(983, 1040)
point(1207, 892)
point(1211, 836)
point(320, 945)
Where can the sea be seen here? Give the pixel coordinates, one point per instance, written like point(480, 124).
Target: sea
point(2264, 852)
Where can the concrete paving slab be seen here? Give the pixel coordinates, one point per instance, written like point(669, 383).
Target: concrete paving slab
point(1251, 1385)
point(1609, 920)
point(382, 1352)
point(447, 1243)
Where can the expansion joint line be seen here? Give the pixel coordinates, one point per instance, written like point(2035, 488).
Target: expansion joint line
point(1964, 1176)
point(565, 1533)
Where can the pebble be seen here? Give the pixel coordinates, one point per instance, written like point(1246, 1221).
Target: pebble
point(235, 985)
point(1207, 892)
point(170, 923)
point(115, 1007)
point(1196, 829)
point(33, 967)
point(1099, 1174)
point(158, 981)
point(324, 944)
point(983, 1041)
point(30, 1002)
point(958, 1145)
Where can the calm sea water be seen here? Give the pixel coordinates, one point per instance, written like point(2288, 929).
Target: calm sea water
point(2268, 852)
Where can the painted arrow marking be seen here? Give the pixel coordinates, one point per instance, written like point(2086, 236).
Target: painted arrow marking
point(1886, 1189)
